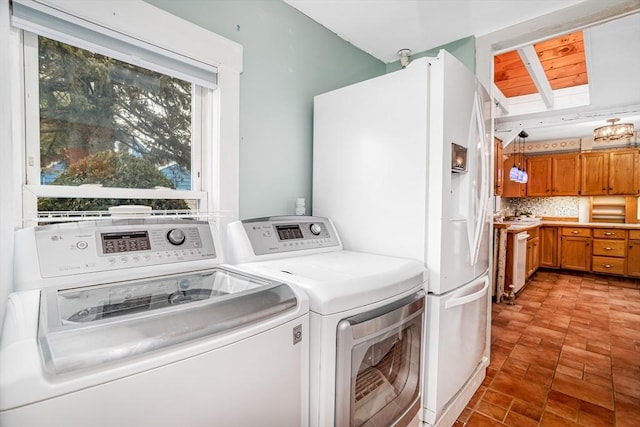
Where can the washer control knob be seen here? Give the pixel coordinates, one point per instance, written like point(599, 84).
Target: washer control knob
point(176, 236)
point(315, 229)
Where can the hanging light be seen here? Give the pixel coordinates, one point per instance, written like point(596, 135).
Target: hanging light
point(613, 131)
point(517, 173)
point(513, 172)
point(525, 176)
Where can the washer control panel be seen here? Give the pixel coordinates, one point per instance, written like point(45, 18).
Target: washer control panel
point(67, 249)
point(289, 233)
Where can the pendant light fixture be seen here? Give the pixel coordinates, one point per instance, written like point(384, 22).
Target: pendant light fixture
point(513, 172)
point(613, 131)
point(518, 173)
point(524, 177)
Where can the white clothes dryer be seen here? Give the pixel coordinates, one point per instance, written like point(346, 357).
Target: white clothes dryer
point(137, 322)
point(366, 317)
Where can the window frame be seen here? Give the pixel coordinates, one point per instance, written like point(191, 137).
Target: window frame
point(215, 128)
point(34, 189)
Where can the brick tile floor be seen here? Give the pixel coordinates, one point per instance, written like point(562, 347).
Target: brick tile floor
point(566, 354)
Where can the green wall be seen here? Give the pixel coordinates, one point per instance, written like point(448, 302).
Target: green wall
point(288, 59)
point(463, 49)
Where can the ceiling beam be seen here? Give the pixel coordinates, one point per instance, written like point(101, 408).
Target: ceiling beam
point(575, 115)
point(534, 67)
point(501, 101)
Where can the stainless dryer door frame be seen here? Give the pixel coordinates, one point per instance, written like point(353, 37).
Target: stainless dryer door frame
point(371, 328)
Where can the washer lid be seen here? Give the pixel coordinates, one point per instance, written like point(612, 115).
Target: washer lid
point(86, 327)
point(343, 280)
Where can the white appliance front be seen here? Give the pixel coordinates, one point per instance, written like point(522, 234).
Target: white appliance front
point(345, 288)
point(519, 272)
point(456, 345)
point(140, 324)
point(402, 166)
point(383, 161)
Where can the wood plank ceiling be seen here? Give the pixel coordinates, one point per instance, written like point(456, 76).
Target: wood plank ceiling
point(563, 61)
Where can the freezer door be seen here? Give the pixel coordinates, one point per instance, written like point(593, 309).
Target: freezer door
point(455, 344)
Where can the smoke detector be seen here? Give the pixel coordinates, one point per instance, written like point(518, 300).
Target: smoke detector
point(404, 57)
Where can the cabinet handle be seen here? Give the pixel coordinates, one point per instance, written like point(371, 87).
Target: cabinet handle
point(608, 233)
point(607, 265)
point(575, 232)
point(608, 249)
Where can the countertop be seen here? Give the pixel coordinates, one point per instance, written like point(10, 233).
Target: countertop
point(524, 225)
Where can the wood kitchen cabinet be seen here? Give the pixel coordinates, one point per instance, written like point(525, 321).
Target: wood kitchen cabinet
point(548, 239)
point(624, 172)
point(575, 248)
point(533, 253)
point(609, 251)
point(633, 254)
point(557, 175)
point(512, 188)
point(565, 175)
point(539, 170)
point(610, 173)
point(498, 170)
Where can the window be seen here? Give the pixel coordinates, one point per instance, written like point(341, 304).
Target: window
point(107, 123)
point(119, 112)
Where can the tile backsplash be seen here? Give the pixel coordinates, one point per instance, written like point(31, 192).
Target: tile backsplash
point(543, 206)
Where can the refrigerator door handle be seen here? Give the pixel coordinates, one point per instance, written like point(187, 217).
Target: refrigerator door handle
point(468, 298)
point(481, 211)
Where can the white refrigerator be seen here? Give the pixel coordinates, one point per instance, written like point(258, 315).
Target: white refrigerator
point(402, 165)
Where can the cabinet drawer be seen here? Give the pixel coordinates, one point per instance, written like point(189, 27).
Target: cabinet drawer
point(613, 248)
point(603, 264)
point(609, 233)
point(576, 231)
point(634, 234)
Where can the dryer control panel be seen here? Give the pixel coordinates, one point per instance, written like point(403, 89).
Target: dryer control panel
point(289, 233)
point(67, 249)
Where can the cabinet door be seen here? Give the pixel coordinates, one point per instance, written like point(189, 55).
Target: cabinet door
point(576, 253)
point(539, 170)
point(512, 188)
point(633, 258)
point(549, 247)
point(623, 172)
point(565, 175)
point(532, 256)
point(594, 174)
point(498, 170)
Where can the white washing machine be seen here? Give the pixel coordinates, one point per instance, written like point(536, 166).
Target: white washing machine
point(137, 323)
point(366, 314)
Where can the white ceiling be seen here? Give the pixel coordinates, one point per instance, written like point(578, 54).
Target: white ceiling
point(383, 27)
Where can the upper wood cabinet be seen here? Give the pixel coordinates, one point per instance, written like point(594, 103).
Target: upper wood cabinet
point(512, 188)
point(539, 170)
point(610, 173)
point(498, 171)
point(565, 175)
point(624, 172)
point(557, 175)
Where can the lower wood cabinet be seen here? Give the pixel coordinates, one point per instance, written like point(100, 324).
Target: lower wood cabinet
point(548, 237)
point(609, 251)
point(597, 249)
point(575, 248)
point(533, 253)
point(633, 254)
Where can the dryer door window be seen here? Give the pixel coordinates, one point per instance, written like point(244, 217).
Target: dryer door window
point(378, 371)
